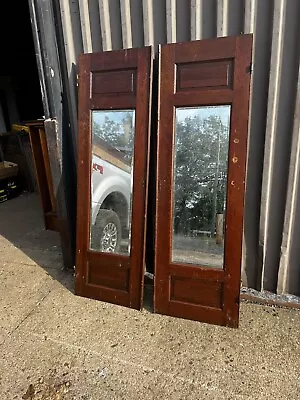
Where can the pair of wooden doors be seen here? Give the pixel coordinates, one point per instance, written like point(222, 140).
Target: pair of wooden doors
point(200, 174)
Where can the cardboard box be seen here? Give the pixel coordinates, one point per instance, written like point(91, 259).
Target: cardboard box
point(9, 188)
point(8, 169)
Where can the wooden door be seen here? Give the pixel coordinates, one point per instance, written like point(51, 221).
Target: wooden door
point(40, 157)
point(202, 146)
point(114, 104)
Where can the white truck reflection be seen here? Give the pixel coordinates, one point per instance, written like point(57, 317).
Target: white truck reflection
point(111, 187)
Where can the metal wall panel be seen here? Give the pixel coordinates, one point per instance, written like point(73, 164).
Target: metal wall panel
point(272, 227)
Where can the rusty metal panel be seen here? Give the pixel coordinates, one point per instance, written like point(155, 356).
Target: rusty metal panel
point(271, 229)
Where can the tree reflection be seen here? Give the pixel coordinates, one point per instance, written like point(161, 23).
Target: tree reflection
point(200, 172)
point(117, 130)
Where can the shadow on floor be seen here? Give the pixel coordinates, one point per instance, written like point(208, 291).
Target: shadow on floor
point(21, 224)
point(148, 296)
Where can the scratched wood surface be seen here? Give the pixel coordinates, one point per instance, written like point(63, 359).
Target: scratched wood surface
point(202, 73)
point(113, 81)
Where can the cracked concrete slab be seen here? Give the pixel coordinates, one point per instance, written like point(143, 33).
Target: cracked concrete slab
point(14, 255)
point(141, 355)
point(22, 288)
point(55, 345)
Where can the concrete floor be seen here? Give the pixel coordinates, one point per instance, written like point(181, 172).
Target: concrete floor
point(55, 345)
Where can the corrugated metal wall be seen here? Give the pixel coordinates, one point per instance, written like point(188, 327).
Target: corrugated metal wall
point(272, 224)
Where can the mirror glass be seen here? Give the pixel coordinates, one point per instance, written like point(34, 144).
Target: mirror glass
point(199, 185)
point(111, 180)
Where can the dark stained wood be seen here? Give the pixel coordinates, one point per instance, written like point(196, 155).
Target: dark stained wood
point(114, 102)
point(109, 260)
point(204, 75)
point(184, 290)
point(113, 82)
point(210, 97)
point(114, 61)
point(41, 159)
point(236, 179)
point(43, 173)
point(110, 295)
point(63, 181)
point(83, 175)
point(47, 167)
point(164, 180)
point(196, 291)
point(190, 311)
point(110, 277)
point(223, 47)
point(37, 153)
point(35, 123)
point(141, 173)
point(52, 222)
point(187, 270)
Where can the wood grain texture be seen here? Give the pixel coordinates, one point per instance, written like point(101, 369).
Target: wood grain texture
point(236, 178)
point(38, 158)
point(43, 173)
point(114, 101)
point(44, 148)
point(141, 173)
point(204, 75)
point(110, 277)
point(112, 82)
point(113, 277)
point(83, 174)
point(164, 178)
point(191, 291)
point(208, 97)
point(196, 291)
point(207, 50)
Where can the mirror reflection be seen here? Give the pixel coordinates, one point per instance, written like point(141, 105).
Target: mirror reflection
point(111, 180)
point(200, 179)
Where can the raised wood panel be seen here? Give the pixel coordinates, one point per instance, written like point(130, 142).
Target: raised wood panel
point(196, 291)
point(208, 72)
point(113, 277)
point(205, 75)
point(113, 82)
